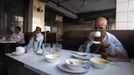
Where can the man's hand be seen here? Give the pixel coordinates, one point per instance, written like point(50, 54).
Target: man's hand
point(117, 56)
point(105, 45)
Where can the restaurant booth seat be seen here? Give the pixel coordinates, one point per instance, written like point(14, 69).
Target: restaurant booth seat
point(73, 39)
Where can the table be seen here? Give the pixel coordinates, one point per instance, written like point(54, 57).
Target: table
point(38, 64)
point(7, 41)
point(6, 45)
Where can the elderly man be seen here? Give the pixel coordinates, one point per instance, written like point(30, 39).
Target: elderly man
point(36, 40)
point(109, 45)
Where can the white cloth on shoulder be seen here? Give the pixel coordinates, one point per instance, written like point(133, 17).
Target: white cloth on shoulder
point(35, 43)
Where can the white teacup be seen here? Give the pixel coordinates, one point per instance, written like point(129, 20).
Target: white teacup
point(20, 50)
point(97, 34)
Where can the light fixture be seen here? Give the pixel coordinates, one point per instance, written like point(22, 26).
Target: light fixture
point(83, 2)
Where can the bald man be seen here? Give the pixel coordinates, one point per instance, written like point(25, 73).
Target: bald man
point(109, 46)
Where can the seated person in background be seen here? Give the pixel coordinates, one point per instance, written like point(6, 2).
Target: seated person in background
point(109, 46)
point(18, 36)
point(36, 40)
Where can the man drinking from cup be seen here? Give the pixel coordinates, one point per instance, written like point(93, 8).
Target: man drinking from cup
point(104, 42)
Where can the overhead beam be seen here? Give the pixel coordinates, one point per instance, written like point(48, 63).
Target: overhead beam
point(62, 9)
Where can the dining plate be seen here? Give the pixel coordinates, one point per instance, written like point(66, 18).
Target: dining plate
point(13, 53)
point(81, 53)
point(63, 67)
point(39, 52)
point(83, 56)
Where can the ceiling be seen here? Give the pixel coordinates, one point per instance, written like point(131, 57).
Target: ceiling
point(71, 8)
point(78, 6)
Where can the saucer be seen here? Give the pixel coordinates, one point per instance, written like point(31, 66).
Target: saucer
point(39, 52)
point(63, 67)
point(83, 56)
point(14, 53)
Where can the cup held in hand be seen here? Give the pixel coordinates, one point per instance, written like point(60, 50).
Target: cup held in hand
point(97, 34)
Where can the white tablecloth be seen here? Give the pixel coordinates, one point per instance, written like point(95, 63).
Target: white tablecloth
point(38, 64)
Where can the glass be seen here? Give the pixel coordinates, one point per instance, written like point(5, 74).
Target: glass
point(35, 46)
point(46, 48)
point(57, 46)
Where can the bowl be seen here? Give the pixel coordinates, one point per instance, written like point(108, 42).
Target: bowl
point(52, 58)
point(74, 64)
point(98, 62)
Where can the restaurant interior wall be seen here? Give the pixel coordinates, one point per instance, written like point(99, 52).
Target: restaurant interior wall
point(125, 14)
point(86, 21)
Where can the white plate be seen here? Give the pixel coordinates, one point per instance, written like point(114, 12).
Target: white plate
point(39, 52)
point(16, 54)
point(81, 53)
point(83, 56)
point(63, 67)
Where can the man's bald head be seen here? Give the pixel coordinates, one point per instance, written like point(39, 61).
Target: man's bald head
point(101, 23)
